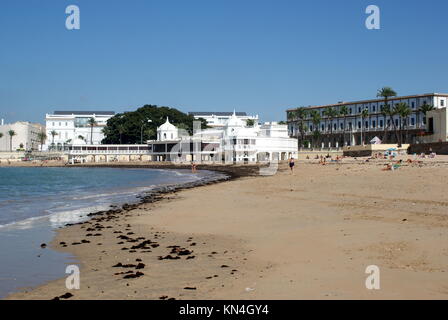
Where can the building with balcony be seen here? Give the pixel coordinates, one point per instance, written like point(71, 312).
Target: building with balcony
point(220, 119)
point(234, 143)
point(72, 127)
point(352, 128)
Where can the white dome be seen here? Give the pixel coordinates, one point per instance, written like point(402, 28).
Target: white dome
point(167, 126)
point(167, 131)
point(234, 121)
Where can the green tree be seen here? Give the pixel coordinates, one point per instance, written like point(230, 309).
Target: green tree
point(300, 115)
point(331, 113)
point(126, 127)
point(364, 115)
point(53, 134)
point(91, 122)
point(315, 119)
point(250, 122)
point(386, 93)
point(42, 136)
point(403, 112)
point(343, 112)
point(11, 134)
point(393, 112)
point(425, 108)
point(385, 113)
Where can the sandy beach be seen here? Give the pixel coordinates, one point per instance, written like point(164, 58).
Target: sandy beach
point(310, 235)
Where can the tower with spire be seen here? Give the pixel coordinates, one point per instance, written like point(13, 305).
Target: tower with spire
point(167, 131)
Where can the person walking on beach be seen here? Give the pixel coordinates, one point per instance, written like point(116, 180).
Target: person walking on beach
point(193, 167)
point(291, 165)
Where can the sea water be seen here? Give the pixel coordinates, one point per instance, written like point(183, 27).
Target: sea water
point(34, 202)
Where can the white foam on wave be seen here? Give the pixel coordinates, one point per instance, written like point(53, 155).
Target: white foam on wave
point(74, 215)
point(23, 224)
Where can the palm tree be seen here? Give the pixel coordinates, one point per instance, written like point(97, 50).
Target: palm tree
point(364, 114)
point(11, 134)
point(393, 112)
point(53, 134)
point(425, 108)
point(385, 112)
point(403, 112)
point(42, 137)
point(250, 123)
point(331, 113)
point(80, 137)
point(343, 111)
point(91, 122)
point(386, 93)
point(301, 115)
point(315, 119)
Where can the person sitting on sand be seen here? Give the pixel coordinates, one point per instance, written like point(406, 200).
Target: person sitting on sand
point(291, 165)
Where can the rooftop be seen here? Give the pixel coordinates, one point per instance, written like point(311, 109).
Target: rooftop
point(216, 113)
point(344, 103)
point(99, 113)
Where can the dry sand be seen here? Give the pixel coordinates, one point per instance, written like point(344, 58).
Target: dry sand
point(305, 236)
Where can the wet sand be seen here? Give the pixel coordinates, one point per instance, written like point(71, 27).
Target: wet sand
point(305, 236)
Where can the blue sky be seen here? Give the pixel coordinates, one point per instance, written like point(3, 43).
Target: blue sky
point(256, 56)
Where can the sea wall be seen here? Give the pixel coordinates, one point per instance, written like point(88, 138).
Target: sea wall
point(370, 149)
point(437, 147)
point(12, 156)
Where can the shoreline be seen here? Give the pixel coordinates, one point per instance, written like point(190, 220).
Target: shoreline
point(157, 194)
point(307, 236)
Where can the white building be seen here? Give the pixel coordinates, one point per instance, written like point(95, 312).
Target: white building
point(219, 119)
point(72, 127)
point(167, 132)
point(233, 142)
point(25, 138)
point(350, 128)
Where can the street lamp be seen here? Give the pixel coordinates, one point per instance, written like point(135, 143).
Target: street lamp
point(141, 129)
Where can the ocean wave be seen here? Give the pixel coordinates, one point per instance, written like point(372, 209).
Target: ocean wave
point(72, 210)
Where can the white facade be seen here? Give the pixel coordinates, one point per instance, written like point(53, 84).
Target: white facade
point(349, 130)
point(167, 131)
point(436, 126)
point(234, 142)
point(25, 138)
point(72, 127)
point(220, 119)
